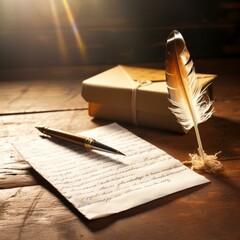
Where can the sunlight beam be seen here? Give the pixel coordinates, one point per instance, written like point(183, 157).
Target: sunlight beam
point(76, 33)
point(60, 38)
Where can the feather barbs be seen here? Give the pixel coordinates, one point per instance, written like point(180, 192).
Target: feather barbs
point(190, 102)
point(188, 99)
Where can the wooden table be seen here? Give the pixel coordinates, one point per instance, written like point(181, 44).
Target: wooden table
point(32, 209)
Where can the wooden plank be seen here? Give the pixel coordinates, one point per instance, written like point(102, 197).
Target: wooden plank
point(44, 89)
point(14, 170)
point(44, 95)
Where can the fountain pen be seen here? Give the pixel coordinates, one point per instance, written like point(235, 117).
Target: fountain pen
point(86, 142)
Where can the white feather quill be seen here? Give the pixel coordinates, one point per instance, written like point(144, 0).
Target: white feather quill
point(190, 103)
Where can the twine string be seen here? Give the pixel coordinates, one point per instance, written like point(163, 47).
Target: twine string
point(134, 99)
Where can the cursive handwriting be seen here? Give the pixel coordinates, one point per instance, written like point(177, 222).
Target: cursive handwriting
point(93, 180)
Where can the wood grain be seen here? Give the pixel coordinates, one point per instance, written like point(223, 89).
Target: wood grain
point(42, 90)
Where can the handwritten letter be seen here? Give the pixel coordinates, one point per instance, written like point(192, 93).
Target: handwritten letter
point(98, 183)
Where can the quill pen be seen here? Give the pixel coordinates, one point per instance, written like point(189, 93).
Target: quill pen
point(190, 103)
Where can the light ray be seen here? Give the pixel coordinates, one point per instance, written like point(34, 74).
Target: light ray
point(60, 38)
point(78, 38)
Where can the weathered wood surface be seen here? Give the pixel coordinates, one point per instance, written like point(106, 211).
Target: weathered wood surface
point(31, 209)
point(38, 90)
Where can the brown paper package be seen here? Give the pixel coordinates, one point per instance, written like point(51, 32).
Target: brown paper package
point(133, 95)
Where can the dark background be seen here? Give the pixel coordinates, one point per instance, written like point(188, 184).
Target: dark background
point(113, 31)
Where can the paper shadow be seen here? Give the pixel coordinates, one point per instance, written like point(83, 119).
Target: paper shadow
point(101, 223)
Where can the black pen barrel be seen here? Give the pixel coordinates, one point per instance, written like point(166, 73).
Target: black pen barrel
point(103, 147)
point(86, 142)
point(65, 136)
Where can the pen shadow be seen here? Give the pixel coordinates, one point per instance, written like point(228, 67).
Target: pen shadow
point(97, 155)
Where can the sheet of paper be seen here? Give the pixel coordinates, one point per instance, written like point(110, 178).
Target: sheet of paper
point(98, 183)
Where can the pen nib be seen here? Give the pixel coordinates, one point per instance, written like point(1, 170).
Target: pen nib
point(120, 153)
point(40, 129)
